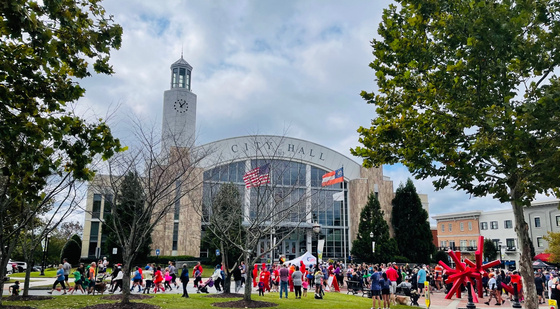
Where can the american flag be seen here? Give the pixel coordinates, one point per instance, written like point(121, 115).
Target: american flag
point(257, 176)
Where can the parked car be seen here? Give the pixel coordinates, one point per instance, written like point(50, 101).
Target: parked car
point(20, 266)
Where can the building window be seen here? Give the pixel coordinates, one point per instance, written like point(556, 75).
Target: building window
point(540, 242)
point(175, 235)
point(483, 225)
point(493, 225)
point(443, 227)
point(557, 220)
point(96, 209)
point(450, 226)
point(463, 244)
point(461, 226)
point(107, 205)
point(508, 224)
point(510, 244)
point(470, 226)
point(452, 244)
point(442, 243)
point(496, 243)
point(472, 243)
point(537, 222)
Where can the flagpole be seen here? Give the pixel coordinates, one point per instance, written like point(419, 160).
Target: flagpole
point(344, 220)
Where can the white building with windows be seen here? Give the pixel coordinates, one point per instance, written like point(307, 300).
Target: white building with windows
point(542, 217)
point(499, 226)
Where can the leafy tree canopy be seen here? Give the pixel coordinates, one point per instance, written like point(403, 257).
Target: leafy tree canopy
point(553, 240)
point(467, 94)
point(490, 251)
point(372, 221)
point(411, 226)
point(45, 48)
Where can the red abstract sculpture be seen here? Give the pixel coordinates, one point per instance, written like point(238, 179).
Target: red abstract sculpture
point(467, 271)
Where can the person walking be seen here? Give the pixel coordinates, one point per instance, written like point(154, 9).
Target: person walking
point(173, 273)
point(236, 273)
point(59, 279)
point(77, 282)
point(149, 277)
point(67, 270)
point(185, 280)
point(117, 280)
point(297, 276)
point(284, 278)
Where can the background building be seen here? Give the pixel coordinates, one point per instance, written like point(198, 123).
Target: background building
point(295, 164)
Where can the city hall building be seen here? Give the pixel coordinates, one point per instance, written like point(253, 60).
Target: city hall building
point(296, 170)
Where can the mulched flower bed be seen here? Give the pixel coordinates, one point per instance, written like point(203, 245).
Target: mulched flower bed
point(26, 298)
point(132, 296)
point(225, 295)
point(245, 304)
point(121, 306)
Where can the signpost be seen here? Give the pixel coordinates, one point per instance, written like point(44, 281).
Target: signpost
point(157, 257)
point(114, 250)
point(217, 252)
point(427, 293)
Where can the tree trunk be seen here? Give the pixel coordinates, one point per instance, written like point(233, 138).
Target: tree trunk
point(127, 263)
point(3, 263)
point(525, 263)
point(28, 260)
point(225, 262)
point(249, 281)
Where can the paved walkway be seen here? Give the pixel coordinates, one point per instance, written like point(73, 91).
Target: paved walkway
point(438, 300)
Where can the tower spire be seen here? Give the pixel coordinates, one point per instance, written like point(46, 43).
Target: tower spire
point(181, 50)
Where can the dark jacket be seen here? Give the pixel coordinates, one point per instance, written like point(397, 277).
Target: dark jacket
point(185, 275)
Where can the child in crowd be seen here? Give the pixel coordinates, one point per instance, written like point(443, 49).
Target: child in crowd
point(168, 279)
point(14, 289)
point(158, 281)
point(305, 285)
point(261, 288)
point(77, 282)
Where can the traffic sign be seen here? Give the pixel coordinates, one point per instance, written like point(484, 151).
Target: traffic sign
point(157, 252)
point(217, 252)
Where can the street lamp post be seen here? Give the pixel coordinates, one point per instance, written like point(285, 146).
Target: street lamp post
point(317, 230)
point(372, 242)
point(45, 249)
point(273, 244)
point(500, 248)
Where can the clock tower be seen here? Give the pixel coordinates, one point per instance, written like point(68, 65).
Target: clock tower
point(179, 108)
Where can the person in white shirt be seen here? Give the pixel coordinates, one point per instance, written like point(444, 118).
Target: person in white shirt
point(493, 288)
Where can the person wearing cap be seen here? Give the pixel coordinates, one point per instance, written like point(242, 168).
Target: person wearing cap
point(493, 288)
point(217, 277)
point(117, 281)
point(149, 277)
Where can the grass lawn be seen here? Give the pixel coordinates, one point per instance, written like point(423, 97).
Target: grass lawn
point(49, 273)
point(172, 301)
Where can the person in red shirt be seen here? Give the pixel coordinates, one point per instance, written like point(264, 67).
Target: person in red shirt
point(439, 277)
point(392, 275)
point(265, 277)
point(255, 274)
point(275, 278)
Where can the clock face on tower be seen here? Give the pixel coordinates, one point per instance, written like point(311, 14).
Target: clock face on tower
point(181, 106)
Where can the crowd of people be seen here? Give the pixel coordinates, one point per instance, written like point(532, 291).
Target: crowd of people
point(379, 280)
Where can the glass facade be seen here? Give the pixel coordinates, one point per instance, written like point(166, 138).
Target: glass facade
point(294, 195)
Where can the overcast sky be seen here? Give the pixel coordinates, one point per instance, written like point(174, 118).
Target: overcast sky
point(292, 68)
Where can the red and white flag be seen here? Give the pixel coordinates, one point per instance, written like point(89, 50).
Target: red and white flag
point(333, 177)
point(257, 176)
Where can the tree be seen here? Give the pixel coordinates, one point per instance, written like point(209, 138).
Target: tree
point(280, 205)
point(411, 226)
point(71, 251)
point(372, 221)
point(227, 207)
point(129, 202)
point(70, 229)
point(46, 47)
point(468, 96)
point(553, 240)
point(441, 256)
point(490, 250)
point(147, 185)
